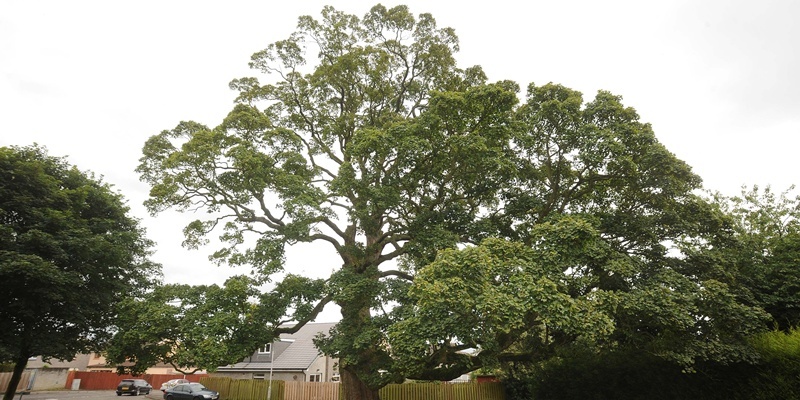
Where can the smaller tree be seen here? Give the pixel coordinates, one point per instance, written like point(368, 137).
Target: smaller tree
point(190, 328)
point(68, 253)
point(586, 246)
point(195, 328)
point(502, 302)
point(498, 302)
point(762, 252)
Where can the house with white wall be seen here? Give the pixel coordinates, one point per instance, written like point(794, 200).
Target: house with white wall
point(293, 357)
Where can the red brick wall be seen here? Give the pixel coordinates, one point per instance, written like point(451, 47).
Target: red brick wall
point(95, 380)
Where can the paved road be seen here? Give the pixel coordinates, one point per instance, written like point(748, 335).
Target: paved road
point(87, 395)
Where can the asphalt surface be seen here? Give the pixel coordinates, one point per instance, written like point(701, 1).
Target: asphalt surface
point(87, 395)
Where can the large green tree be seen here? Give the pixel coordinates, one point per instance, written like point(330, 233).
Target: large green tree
point(369, 139)
point(69, 252)
point(382, 148)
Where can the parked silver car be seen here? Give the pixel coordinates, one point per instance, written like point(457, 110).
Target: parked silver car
point(172, 383)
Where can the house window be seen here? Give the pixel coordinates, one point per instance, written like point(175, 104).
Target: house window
point(265, 349)
point(315, 378)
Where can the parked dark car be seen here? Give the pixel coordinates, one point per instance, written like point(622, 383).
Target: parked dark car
point(134, 387)
point(190, 391)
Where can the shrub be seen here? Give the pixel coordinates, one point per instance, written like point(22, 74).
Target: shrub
point(631, 374)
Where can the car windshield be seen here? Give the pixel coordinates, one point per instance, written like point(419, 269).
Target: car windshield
point(196, 386)
point(126, 382)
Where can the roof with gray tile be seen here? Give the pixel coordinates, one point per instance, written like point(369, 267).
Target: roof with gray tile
point(298, 356)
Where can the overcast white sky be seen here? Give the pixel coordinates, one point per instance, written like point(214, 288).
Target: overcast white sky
point(92, 80)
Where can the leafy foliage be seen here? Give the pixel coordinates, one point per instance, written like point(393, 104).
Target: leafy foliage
point(189, 327)
point(630, 374)
point(68, 253)
point(597, 214)
point(556, 222)
point(495, 297)
point(765, 252)
point(382, 149)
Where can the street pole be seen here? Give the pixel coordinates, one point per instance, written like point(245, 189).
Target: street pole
point(271, 363)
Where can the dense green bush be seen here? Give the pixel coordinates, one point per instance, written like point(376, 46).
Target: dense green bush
point(622, 375)
point(778, 375)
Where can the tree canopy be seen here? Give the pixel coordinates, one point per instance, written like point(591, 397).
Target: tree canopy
point(760, 251)
point(596, 228)
point(68, 252)
point(555, 221)
point(190, 328)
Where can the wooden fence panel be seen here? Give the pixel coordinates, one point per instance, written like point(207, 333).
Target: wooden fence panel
point(5, 379)
point(443, 391)
point(220, 384)
point(245, 389)
point(311, 391)
point(91, 380)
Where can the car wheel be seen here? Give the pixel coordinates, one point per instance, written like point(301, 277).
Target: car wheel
point(169, 397)
point(198, 398)
point(119, 394)
point(138, 392)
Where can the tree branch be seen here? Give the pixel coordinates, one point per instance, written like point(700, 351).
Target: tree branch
point(399, 274)
point(314, 313)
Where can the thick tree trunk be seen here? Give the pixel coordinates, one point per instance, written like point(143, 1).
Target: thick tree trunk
point(19, 368)
point(363, 363)
point(355, 389)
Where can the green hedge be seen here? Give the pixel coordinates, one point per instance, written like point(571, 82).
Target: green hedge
point(623, 375)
